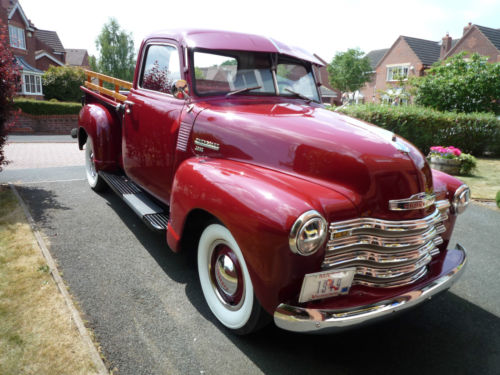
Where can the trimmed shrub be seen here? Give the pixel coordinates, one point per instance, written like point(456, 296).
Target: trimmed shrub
point(498, 199)
point(40, 107)
point(473, 133)
point(63, 83)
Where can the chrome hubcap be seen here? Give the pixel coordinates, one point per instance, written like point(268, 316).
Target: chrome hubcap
point(90, 161)
point(226, 276)
point(92, 166)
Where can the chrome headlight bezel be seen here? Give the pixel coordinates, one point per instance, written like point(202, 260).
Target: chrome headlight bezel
point(310, 224)
point(460, 200)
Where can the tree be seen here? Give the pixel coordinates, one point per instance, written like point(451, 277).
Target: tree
point(9, 82)
point(349, 70)
point(116, 48)
point(460, 84)
point(93, 63)
point(63, 83)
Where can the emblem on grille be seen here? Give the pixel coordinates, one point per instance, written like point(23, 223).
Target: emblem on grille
point(415, 202)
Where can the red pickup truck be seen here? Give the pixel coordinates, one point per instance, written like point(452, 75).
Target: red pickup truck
point(296, 213)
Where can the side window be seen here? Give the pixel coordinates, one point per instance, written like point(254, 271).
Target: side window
point(161, 68)
point(295, 77)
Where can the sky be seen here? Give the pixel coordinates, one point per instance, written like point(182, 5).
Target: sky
point(321, 27)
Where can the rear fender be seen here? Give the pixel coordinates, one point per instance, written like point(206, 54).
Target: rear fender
point(95, 121)
point(259, 207)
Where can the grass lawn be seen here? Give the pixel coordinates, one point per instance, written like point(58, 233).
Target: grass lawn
point(37, 334)
point(486, 180)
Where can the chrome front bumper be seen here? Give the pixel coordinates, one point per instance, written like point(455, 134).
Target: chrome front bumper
point(299, 319)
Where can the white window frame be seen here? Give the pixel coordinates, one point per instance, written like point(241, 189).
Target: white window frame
point(17, 37)
point(398, 69)
point(35, 81)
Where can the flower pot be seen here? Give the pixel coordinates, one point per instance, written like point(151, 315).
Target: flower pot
point(451, 166)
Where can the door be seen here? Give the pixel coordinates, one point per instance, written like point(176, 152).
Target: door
point(152, 122)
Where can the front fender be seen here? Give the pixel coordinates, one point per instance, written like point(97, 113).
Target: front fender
point(105, 132)
point(258, 206)
point(444, 188)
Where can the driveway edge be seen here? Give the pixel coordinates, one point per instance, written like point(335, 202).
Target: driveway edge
point(77, 319)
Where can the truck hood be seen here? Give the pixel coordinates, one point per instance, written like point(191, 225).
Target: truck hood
point(365, 163)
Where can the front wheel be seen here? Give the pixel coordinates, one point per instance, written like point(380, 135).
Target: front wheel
point(95, 181)
point(226, 283)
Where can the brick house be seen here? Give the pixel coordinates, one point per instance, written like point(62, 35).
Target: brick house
point(77, 57)
point(369, 91)
point(50, 51)
point(480, 39)
point(413, 56)
point(406, 57)
point(35, 50)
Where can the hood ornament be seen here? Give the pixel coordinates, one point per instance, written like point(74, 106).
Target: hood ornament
point(415, 202)
point(400, 146)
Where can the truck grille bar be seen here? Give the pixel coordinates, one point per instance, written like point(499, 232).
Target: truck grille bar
point(386, 253)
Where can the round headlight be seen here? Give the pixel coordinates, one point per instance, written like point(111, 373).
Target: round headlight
point(460, 200)
point(308, 233)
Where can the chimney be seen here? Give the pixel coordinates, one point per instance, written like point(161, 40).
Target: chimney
point(445, 46)
point(467, 28)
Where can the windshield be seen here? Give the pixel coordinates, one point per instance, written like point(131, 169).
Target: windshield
point(242, 72)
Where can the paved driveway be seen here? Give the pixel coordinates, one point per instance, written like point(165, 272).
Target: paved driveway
point(42, 158)
point(146, 308)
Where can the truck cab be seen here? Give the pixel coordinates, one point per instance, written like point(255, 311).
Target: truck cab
point(296, 213)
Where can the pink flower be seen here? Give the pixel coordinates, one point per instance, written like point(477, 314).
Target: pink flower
point(446, 151)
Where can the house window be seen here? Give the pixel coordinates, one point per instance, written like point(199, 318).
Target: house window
point(32, 84)
point(397, 73)
point(16, 35)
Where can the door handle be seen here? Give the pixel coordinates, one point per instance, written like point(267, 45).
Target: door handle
point(128, 106)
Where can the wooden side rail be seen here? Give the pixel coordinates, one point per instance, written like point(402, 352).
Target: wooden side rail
point(89, 75)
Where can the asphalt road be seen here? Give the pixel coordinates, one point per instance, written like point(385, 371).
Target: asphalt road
point(146, 308)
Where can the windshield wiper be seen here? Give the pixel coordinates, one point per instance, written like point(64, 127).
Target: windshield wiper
point(299, 95)
point(243, 90)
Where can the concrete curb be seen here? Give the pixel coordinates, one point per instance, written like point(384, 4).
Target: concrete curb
point(96, 358)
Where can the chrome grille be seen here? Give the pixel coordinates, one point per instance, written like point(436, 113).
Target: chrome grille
point(386, 253)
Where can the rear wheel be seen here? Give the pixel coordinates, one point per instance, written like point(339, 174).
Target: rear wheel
point(226, 283)
point(95, 181)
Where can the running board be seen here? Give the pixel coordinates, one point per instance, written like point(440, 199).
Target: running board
point(151, 213)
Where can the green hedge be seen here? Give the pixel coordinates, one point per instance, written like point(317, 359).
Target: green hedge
point(474, 133)
point(41, 107)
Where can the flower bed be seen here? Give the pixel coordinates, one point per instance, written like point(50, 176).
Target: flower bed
point(451, 160)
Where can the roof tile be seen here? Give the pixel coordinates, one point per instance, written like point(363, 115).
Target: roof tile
point(492, 34)
point(75, 56)
point(51, 39)
point(375, 56)
point(426, 50)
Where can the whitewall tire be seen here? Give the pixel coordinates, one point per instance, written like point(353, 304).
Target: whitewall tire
point(225, 281)
point(94, 180)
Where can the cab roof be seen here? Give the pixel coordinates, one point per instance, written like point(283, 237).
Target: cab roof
point(234, 41)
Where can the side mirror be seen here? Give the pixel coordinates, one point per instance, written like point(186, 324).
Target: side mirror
point(180, 89)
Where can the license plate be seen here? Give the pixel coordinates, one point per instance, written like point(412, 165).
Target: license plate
point(326, 284)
